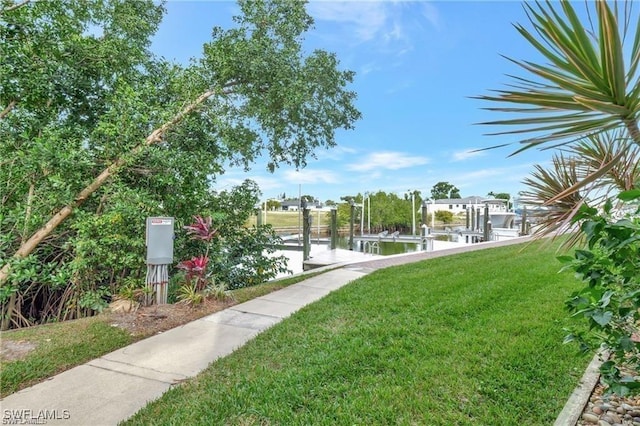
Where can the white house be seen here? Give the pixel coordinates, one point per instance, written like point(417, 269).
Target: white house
point(460, 205)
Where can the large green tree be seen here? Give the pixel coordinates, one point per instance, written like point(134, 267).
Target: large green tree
point(97, 132)
point(442, 190)
point(388, 210)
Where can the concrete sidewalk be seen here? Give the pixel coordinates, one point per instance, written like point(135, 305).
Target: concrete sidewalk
point(115, 386)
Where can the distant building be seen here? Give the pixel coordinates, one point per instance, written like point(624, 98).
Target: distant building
point(294, 205)
point(290, 205)
point(460, 205)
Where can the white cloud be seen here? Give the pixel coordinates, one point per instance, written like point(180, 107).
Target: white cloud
point(335, 153)
point(387, 160)
point(400, 86)
point(431, 14)
point(389, 22)
point(368, 67)
point(466, 154)
point(494, 178)
point(364, 19)
point(311, 176)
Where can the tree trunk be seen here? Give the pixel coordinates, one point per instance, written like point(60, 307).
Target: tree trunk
point(7, 312)
point(632, 128)
point(156, 136)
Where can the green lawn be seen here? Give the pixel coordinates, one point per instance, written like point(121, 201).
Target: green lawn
point(474, 338)
point(290, 219)
point(60, 346)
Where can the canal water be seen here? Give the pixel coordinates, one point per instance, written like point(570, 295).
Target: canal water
point(387, 248)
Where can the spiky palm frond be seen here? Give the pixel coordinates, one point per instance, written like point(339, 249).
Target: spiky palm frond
point(545, 184)
point(597, 151)
point(610, 156)
point(585, 89)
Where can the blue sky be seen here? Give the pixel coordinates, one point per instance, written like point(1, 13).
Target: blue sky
point(417, 65)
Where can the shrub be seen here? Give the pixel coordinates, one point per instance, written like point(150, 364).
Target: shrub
point(444, 216)
point(610, 300)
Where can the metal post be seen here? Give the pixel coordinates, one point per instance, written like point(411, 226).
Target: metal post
point(485, 228)
point(413, 214)
point(306, 231)
point(334, 228)
point(351, 219)
point(424, 213)
point(362, 218)
point(433, 213)
point(467, 214)
point(473, 218)
point(299, 210)
point(369, 215)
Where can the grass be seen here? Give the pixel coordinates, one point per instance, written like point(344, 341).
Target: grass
point(290, 219)
point(61, 346)
point(470, 339)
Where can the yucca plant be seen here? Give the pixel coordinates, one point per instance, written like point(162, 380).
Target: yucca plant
point(585, 102)
point(589, 91)
point(548, 188)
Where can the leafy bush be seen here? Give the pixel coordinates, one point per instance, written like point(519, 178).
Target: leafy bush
point(444, 216)
point(610, 300)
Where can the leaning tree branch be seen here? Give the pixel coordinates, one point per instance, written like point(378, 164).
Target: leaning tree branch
point(14, 6)
point(154, 137)
point(8, 109)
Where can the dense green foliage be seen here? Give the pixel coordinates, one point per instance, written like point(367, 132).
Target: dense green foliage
point(444, 216)
point(610, 301)
point(467, 339)
point(388, 211)
point(442, 190)
point(96, 134)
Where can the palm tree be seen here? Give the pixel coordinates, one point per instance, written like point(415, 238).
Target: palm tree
point(585, 102)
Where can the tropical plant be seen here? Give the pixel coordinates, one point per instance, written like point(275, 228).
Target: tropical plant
point(610, 300)
point(585, 100)
point(195, 271)
point(196, 276)
point(189, 294)
point(218, 291)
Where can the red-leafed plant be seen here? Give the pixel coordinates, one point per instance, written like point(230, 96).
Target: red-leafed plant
point(196, 270)
point(201, 229)
point(196, 276)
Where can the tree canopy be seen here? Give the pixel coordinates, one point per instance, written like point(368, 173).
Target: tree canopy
point(96, 132)
point(443, 190)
